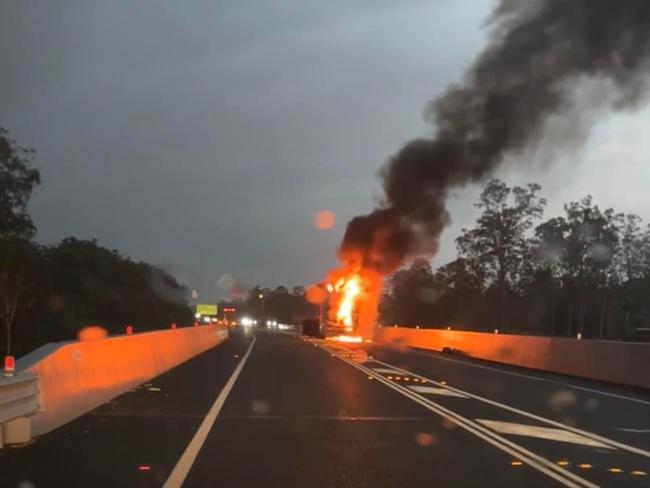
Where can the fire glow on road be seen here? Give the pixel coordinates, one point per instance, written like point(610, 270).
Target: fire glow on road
point(346, 338)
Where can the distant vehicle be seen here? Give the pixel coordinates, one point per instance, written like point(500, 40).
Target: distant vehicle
point(313, 328)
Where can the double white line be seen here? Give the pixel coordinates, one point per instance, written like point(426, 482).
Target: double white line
point(590, 435)
point(539, 463)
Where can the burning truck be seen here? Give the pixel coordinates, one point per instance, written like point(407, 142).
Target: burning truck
point(542, 63)
point(348, 304)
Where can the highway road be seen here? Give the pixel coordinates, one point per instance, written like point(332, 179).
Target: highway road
point(273, 409)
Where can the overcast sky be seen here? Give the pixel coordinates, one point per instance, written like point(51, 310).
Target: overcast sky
point(203, 136)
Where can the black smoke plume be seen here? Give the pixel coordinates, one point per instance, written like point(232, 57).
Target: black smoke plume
point(538, 51)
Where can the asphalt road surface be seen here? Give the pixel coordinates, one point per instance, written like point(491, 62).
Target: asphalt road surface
point(281, 410)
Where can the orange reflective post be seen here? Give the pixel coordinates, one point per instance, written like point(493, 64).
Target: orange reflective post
point(10, 365)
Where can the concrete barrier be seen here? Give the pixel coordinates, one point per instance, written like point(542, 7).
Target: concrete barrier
point(625, 363)
point(18, 402)
point(75, 377)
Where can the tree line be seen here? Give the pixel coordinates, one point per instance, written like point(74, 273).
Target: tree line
point(47, 293)
point(584, 272)
point(287, 306)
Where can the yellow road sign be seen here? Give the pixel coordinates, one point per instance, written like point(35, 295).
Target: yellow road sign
point(206, 309)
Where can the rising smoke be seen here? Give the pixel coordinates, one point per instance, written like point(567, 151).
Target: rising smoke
point(539, 52)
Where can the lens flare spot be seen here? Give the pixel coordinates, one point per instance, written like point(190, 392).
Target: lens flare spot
point(226, 281)
point(448, 424)
point(316, 294)
point(325, 219)
point(562, 400)
point(92, 333)
point(260, 407)
point(424, 439)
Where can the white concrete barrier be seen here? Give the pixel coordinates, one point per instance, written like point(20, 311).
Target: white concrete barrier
point(625, 363)
point(75, 377)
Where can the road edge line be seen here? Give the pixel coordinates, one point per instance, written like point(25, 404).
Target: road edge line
point(186, 461)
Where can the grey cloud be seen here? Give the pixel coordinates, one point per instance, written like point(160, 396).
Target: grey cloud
point(204, 135)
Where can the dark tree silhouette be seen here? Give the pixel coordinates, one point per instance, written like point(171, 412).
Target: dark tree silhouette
point(586, 271)
point(498, 244)
point(17, 182)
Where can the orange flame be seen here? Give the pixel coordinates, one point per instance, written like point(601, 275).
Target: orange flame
point(349, 290)
point(354, 295)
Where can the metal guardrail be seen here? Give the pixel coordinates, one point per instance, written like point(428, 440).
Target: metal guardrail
point(18, 400)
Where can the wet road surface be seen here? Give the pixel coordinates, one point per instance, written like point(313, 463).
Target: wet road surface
point(281, 410)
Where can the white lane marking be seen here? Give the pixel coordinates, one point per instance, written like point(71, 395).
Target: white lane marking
point(591, 435)
point(552, 434)
point(634, 431)
point(436, 391)
point(543, 465)
point(530, 377)
point(386, 371)
point(331, 417)
point(184, 464)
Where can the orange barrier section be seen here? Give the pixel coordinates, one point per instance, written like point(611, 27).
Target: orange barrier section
point(76, 377)
point(625, 363)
